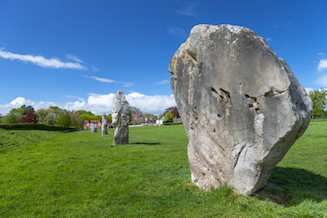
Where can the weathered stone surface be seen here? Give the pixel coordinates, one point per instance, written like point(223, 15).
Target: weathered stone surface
point(120, 118)
point(104, 123)
point(93, 128)
point(240, 104)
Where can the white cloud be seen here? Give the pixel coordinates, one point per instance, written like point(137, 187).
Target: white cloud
point(308, 90)
point(18, 101)
point(42, 61)
point(74, 58)
point(165, 81)
point(99, 99)
point(177, 31)
point(100, 103)
point(155, 104)
point(269, 39)
point(322, 64)
point(104, 80)
point(188, 10)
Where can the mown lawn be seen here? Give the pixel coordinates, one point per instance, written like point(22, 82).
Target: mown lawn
point(81, 174)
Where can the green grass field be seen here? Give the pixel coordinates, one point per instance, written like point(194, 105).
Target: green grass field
point(80, 174)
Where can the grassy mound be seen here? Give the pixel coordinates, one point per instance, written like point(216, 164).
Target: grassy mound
point(13, 139)
point(81, 174)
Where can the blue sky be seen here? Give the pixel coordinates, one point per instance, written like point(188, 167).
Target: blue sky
point(77, 54)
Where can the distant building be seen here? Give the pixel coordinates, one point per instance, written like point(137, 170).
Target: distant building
point(148, 120)
point(159, 122)
point(97, 122)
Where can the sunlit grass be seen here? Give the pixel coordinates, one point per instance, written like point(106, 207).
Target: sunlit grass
point(81, 174)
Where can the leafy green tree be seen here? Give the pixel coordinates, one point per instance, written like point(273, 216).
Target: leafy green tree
point(170, 116)
point(63, 119)
point(46, 116)
point(109, 117)
point(1, 118)
point(12, 117)
point(76, 119)
point(318, 98)
point(17, 110)
point(150, 115)
point(81, 112)
point(56, 110)
point(91, 117)
point(86, 117)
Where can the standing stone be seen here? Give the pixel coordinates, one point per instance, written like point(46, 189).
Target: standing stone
point(93, 128)
point(121, 112)
point(240, 104)
point(104, 123)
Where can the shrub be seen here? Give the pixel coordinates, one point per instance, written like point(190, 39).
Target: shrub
point(34, 126)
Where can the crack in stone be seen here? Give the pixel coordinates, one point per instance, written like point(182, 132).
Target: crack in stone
point(238, 154)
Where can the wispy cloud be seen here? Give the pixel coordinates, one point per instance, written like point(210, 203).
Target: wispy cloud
point(177, 31)
point(104, 80)
point(74, 58)
point(42, 61)
point(283, 25)
point(74, 97)
point(127, 84)
point(188, 10)
point(162, 82)
point(322, 64)
point(269, 39)
point(95, 69)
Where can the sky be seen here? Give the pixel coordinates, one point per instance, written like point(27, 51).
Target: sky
point(77, 54)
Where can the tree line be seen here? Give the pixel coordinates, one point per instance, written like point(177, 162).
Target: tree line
point(51, 116)
point(167, 116)
point(61, 117)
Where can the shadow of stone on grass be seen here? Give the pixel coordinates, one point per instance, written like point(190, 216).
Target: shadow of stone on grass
point(146, 143)
point(290, 186)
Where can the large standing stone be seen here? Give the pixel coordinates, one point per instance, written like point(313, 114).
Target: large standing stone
point(240, 104)
point(104, 123)
point(120, 118)
point(93, 128)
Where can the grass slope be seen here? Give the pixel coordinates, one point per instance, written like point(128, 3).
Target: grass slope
point(81, 174)
point(13, 139)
